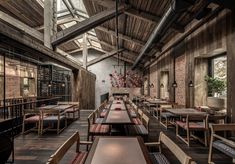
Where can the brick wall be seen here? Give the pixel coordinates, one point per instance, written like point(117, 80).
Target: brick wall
point(180, 79)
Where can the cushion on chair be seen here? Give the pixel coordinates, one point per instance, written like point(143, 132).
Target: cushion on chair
point(222, 146)
point(158, 158)
point(137, 121)
point(99, 128)
point(53, 118)
point(192, 125)
point(35, 118)
point(80, 158)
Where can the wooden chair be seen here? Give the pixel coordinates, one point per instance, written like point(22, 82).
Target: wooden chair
point(102, 110)
point(98, 119)
point(75, 110)
point(61, 151)
point(96, 129)
point(159, 157)
point(138, 120)
point(221, 143)
point(141, 129)
point(191, 124)
point(166, 118)
point(53, 120)
point(32, 116)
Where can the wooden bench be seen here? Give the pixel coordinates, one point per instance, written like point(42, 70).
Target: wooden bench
point(140, 129)
point(95, 129)
point(61, 151)
point(222, 144)
point(75, 110)
point(160, 158)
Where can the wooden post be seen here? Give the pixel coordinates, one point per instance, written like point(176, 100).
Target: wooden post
point(50, 19)
point(230, 69)
point(85, 52)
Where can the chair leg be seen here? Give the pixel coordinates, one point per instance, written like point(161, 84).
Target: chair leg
point(23, 127)
point(205, 135)
point(188, 137)
point(210, 150)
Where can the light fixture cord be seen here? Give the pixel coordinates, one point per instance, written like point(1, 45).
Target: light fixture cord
point(117, 39)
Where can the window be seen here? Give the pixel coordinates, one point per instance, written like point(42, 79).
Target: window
point(219, 70)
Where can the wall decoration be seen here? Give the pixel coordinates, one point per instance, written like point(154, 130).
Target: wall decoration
point(133, 79)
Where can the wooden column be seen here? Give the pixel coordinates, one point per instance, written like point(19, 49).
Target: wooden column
point(230, 70)
point(85, 52)
point(50, 19)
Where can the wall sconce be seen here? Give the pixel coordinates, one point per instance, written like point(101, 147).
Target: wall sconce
point(190, 83)
point(151, 85)
point(174, 85)
point(162, 85)
point(63, 85)
point(50, 84)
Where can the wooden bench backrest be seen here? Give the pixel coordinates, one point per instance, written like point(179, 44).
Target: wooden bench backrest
point(145, 120)
point(223, 127)
point(60, 152)
point(91, 119)
point(67, 103)
point(175, 149)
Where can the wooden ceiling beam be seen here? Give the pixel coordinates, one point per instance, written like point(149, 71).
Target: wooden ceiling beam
point(103, 57)
point(121, 36)
point(142, 15)
point(85, 25)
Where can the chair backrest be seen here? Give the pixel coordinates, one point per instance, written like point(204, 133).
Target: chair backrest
point(166, 106)
point(31, 111)
point(198, 118)
point(145, 120)
point(68, 103)
point(175, 149)
point(140, 112)
point(91, 119)
point(218, 118)
point(60, 152)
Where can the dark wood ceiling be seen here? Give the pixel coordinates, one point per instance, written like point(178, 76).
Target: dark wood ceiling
point(135, 26)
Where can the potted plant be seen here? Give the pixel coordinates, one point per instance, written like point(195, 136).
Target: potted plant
point(215, 86)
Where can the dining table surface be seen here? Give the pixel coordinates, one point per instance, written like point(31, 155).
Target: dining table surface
point(48, 107)
point(118, 114)
point(118, 149)
point(185, 111)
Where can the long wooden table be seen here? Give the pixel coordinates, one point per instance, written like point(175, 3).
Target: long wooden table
point(118, 150)
point(118, 114)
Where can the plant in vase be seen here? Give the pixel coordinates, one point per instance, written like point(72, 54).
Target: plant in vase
point(215, 86)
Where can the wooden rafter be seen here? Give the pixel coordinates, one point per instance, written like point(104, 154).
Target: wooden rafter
point(103, 57)
point(142, 15)
point(85, 25)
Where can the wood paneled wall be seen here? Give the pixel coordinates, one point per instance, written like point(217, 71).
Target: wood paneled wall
point(191, 59)
point(84, 89)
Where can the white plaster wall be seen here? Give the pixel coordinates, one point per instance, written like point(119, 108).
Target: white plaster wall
point(102, 71)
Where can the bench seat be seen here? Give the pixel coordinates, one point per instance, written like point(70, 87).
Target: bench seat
point(79, 158)
point(158, 158)
point(225, 148)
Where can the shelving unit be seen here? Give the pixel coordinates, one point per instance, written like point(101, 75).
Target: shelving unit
point(54, 81)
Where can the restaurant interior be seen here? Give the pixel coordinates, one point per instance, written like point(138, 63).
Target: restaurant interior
point(117, 81)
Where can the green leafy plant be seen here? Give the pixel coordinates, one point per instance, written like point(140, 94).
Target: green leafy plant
point(215, 85)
